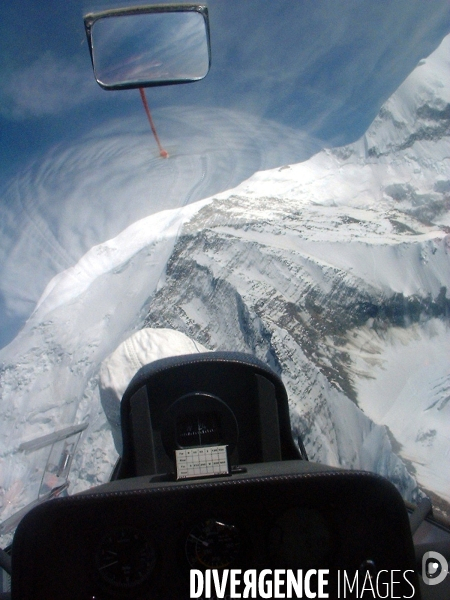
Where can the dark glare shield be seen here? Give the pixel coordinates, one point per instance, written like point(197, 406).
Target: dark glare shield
point(149, 46)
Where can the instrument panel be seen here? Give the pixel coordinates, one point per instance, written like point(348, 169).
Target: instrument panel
point(127, 558)
point(136, 539)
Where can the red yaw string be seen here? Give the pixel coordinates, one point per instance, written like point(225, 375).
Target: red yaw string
point(163, 153)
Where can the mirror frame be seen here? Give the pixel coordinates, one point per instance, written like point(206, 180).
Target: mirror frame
point(91, 18)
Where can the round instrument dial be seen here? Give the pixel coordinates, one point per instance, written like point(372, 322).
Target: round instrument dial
point(212, 544)
point(125, 558)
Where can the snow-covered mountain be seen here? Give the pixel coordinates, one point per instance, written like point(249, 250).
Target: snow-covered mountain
point(335, 271)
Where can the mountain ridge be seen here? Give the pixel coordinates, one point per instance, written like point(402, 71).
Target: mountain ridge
point(355, 237)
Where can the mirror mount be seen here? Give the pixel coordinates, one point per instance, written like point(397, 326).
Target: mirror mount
point(151, 45)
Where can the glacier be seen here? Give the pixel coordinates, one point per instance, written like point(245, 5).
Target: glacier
point(335, 271)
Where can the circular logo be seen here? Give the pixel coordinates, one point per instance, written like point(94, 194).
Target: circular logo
point(434, 568)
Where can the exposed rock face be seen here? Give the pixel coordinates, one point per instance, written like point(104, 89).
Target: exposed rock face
point(253, 275)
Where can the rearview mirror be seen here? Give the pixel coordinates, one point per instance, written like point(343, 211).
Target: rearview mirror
point(149, 45)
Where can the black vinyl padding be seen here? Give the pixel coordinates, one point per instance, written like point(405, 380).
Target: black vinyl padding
point(230, 376)
point(56, 544)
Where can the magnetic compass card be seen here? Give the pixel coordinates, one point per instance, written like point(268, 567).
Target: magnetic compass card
point(205, 461)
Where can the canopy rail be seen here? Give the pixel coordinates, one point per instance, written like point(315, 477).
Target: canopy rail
point(62, 445)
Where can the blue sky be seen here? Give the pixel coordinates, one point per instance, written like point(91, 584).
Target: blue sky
point(287, 78)
point(324, 66)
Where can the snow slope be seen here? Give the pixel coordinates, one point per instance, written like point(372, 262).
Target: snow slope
point(405, 372)
point(49, 373)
